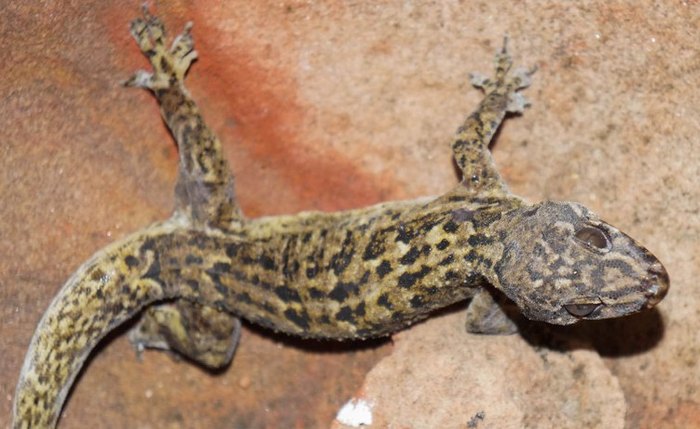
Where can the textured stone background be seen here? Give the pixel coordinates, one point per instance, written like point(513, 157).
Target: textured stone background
point(342, 104)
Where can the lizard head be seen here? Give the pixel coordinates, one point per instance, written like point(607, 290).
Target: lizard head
point(561, 263)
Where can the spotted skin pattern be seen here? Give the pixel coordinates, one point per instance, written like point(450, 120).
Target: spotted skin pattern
point(347, 275)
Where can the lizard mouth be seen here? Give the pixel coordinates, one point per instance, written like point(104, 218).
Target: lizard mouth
point(654, 287)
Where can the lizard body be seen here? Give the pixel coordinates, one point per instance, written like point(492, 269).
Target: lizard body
point(355, 274)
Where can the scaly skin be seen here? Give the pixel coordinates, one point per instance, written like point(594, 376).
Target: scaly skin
point(354, 274)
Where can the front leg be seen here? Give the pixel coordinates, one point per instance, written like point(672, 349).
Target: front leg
point(471, 145)
point(491, 315)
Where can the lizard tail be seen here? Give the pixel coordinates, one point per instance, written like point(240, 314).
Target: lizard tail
point(104, 292)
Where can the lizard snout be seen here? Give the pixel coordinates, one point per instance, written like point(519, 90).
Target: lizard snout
point(656, 284)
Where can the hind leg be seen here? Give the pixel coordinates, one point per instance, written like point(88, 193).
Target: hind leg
point(204, 196)
point(200, 333)
point(205, 188)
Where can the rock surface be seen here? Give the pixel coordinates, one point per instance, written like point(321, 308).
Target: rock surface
point(332, 105)
point(454, 380)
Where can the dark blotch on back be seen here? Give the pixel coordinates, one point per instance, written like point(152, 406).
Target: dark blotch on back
point(193, 259)
point(269, 308)
point(131, 261)
point(342, 291)
point(301, 320)
point(405, 234)
point(447, 260)
point(360, 309)
point(232, 250)
point(198, 241)
point(149, 244)
point(427, 223)
point(417, 301)
point(153, 271)
point(408, 279)
point(316, 293)
point(442, 245)
point(221, 267)
point(479, 240)
point(345, 314)
point(375, 247)
point(267, 262)
point(287, 294)
point(450, 226)
point(410, 257)
point(341, 260)
point(384, 268)
point(383, 300)
point(244, 297)
point(311, 272)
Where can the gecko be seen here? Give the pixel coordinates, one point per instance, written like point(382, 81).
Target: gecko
point(354, 274)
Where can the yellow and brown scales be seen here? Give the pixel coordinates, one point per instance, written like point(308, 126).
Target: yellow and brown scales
point(355, 274)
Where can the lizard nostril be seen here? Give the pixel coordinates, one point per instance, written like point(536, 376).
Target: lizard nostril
point(657, 284)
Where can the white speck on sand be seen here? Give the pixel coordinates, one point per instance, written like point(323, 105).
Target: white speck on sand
point(355, 413)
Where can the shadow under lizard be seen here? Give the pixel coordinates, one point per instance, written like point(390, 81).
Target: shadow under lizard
point(354, 274)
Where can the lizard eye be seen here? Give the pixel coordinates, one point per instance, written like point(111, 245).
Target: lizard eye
point(581, 310)
point(594, 238)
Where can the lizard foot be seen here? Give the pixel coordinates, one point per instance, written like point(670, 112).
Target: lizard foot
point(169, 65)
point(504, 80)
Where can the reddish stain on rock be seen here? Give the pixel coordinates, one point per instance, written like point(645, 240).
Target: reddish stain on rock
point(268, 118)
